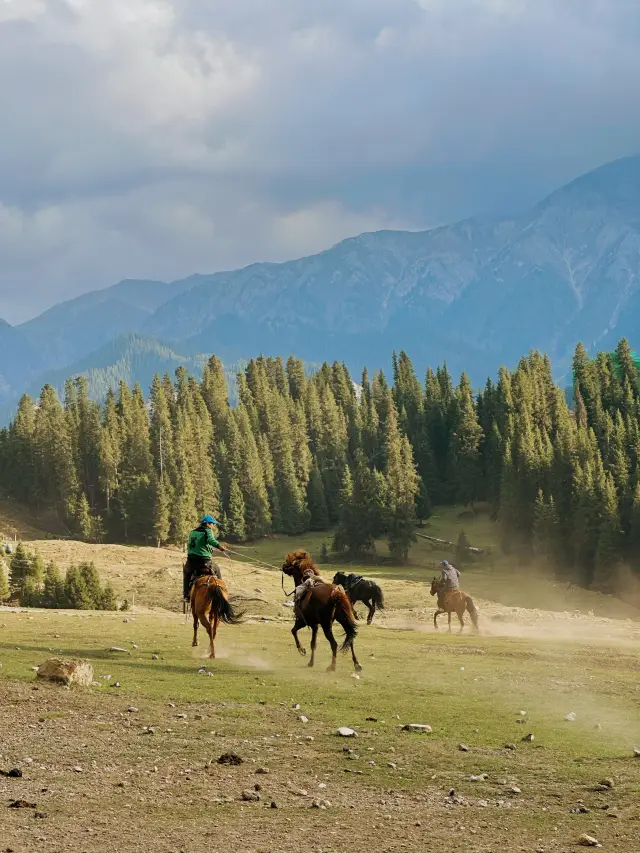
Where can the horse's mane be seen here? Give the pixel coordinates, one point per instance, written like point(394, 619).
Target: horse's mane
point(302, 559)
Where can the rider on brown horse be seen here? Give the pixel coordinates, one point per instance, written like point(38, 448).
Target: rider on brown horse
point(449, 579)
point(303, 590)
point(200, 548)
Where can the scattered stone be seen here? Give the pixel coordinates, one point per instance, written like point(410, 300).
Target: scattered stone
point(15, 773)
point(463, 747)
point(371, 720)
point(132, 710)
point(262, 771)
point(355, 675)
point(303, 719)
point(343, 731)
point(589, 841)
point(392, 765)
point(21, 804)
point(296, 707)
point(515, 790)
point(483, 804)
point(510, 746)
point(298, 792)
point(155, 657)
point(273, 805)
point(523, 713)
point(181, 716)
point(251, 796)
point(119, 649)
point(40, 815)
point(309, 738)
point(117, 684)
point(636, 752)
point(321, 804)
point(607, 783)
point(78, 769)
point(230, 758)
point(148, 730)
point(597, 726)
point(571, 717)
point(68, 672)
point(529, 738)
point(580, 810)
point(257, 787)
point(481, 777)
point(421, 728)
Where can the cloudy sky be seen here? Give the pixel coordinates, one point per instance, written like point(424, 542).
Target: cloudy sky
point(156, 138)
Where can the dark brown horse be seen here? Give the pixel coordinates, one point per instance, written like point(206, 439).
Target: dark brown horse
point(322, 604)
point(210, 605)
point(453, 601)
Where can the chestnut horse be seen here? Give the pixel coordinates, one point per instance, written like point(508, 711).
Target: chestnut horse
point(453, 601)
point(323, 603)
point(210, 605)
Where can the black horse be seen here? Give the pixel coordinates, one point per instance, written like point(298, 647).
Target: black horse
point(360, 589)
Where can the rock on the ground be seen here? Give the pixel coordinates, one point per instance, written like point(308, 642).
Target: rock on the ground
point(15, 773)
point(321, 804)
point(67, 671)
point(482, 777)
point(510, 746)
point(571, 717)
point(529, 738)
point(251, 796)
point(343, 731)
point(463, 747)
point(421, 728)
point(607, 782)
point(231, 759)
point(589, 841)
point(636, 752)
point(303, 719)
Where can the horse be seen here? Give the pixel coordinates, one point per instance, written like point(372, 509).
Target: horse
point(360, 589)
point(324, 603)
point(453, 601)
point(210, 605)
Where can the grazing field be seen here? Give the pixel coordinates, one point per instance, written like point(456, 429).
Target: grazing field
point(131, 764)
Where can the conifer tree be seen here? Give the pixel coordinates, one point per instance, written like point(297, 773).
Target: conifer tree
point(361, 509)
point(25, 570)
point(53, 589)
point(402, 489)
point(607, 556)
point(292, 514)
point(4, 582)
point(316, 501)
point(252, 480)
point(466, 440)
point(235, 510)
point(75, 590)
point(296, 378)
point(53, 453)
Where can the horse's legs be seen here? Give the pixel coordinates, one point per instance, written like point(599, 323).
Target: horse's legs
point(206, 625)
point(372, 609)
point(213, 630)
point(300, 623)
point(356, 664)
point(449, 621)
point(435, 618)
point(326, 627)
point(195, 625)
point(314, 640)
point(460, 617)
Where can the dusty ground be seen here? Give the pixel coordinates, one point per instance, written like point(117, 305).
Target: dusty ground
point(101, 781)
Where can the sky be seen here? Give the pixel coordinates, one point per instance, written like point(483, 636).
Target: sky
point(158, 138)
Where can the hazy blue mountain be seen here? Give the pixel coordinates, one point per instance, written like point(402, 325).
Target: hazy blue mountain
point(476, 294)
point(71, 330)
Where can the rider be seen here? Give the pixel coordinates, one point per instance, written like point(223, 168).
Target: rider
point(309, 580)
point(449, 579)
point(200, 548)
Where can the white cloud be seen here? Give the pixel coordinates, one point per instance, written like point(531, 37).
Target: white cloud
point(162, 137)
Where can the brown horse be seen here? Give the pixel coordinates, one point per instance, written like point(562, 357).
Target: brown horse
point(210, 605)
point(323, 603)
point(453, 601)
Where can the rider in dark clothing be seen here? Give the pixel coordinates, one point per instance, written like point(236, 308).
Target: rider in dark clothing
point(200, 548)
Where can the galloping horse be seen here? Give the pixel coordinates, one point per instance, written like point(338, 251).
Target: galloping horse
point(324, 603)
point(453, 601)
point(361, 589)
point(210, 605)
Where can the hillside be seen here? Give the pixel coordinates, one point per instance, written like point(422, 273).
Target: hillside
point(473, 293)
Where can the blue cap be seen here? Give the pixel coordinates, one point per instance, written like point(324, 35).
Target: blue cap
point(444, 563)
point(208, 519)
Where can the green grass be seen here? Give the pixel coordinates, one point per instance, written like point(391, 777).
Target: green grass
point(469, 689)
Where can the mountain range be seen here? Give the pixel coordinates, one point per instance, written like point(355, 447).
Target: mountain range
point(477, 294)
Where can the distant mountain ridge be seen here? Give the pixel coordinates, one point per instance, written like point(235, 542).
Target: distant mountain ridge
point(477, 293)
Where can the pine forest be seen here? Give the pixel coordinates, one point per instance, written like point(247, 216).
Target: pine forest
point(366, 461)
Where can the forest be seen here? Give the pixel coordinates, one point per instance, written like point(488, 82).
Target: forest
point(366, 461)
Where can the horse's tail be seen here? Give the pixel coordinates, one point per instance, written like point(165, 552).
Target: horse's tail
point(221, 607)
point(471, 609)
point(345, 616)
point(378, 597)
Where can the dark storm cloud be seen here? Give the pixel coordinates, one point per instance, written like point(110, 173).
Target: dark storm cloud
point(160, 137)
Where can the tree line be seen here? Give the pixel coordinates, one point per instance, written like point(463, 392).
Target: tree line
point(366, 461)
point(33, 584)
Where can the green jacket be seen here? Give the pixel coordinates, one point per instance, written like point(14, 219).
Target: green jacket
point(202, 543)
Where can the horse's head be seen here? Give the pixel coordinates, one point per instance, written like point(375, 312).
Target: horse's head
point(435, 586)
point(298, 562)
point(339, 578)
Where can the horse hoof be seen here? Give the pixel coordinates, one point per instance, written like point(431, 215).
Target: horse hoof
point(194, 645)
point(310, 664)
point(303, 652)
point(358, 667)
point(331, 667)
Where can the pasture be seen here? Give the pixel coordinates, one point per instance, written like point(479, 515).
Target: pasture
point(135, 767)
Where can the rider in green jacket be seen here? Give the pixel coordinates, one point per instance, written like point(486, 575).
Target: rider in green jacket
point(200, 547)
